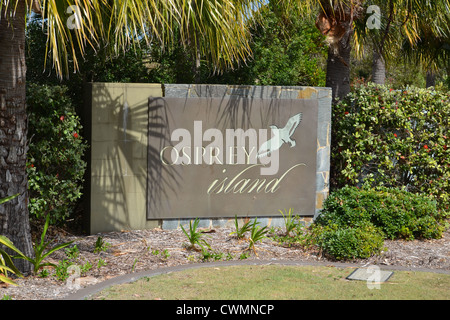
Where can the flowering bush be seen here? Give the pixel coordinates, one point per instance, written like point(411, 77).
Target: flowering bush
point(55, 156)
point(393, 138)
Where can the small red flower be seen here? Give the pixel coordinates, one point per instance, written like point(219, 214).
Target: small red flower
point(445, 147)
point(75, 135)
point(425, 146)
point(61, 118)
point(346, 112)
point(395, 135)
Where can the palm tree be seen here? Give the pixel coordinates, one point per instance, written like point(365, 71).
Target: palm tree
point(336, 21)
point(13, 130)
point(109, 25)
point(344, 24)
point(402, 21)
point(432, 50)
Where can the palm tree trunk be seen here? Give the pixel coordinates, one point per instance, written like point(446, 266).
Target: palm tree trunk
point(378, 68)
point(14, 217)
point(378, 63)
point(338, 69)
point(431, 79)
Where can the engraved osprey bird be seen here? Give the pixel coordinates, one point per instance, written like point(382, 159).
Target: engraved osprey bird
point(281, 136)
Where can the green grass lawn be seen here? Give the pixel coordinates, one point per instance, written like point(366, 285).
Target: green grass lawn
point(275, 282)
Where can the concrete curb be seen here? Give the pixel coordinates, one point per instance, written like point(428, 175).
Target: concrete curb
point(90, 290)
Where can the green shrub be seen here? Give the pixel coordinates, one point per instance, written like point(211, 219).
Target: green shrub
point(349, 243)
point(241, 231)
point(355, 221)
point(397, 213)
point(55, 156)
point(393, 138)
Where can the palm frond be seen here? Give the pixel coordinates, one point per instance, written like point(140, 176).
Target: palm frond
point(217, 29)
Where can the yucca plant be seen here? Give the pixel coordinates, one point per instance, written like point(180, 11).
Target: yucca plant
point(257, 233)
point(8, 198)
point(240, 231)
point(290, 221)
point(39, 248)
point(6, 263)
point(194, 236)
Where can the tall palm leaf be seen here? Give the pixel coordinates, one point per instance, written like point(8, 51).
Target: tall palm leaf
point(217, 29)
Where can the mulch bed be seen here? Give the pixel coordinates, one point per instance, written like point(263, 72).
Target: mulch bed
point(141, 250)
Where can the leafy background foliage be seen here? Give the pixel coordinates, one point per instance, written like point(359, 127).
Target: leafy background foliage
point(287, 50)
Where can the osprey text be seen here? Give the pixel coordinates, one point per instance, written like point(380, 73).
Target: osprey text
point(237, 146)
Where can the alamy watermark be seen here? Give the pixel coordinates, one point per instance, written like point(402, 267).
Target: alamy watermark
point(374, 21)
point(73, 281)
point(74, 21)
point(374, 280)
point(236, 146)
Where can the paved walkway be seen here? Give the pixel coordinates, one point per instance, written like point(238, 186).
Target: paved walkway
point(90, 290)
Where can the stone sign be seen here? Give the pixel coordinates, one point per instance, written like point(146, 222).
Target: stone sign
point(212, 157)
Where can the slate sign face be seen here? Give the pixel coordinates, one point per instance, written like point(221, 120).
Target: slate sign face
point(221, 157)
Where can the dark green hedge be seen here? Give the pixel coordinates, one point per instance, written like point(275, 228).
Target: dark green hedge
point(355, 221)
point(397, 213)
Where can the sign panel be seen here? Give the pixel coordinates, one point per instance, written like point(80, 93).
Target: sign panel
point(221, 157)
